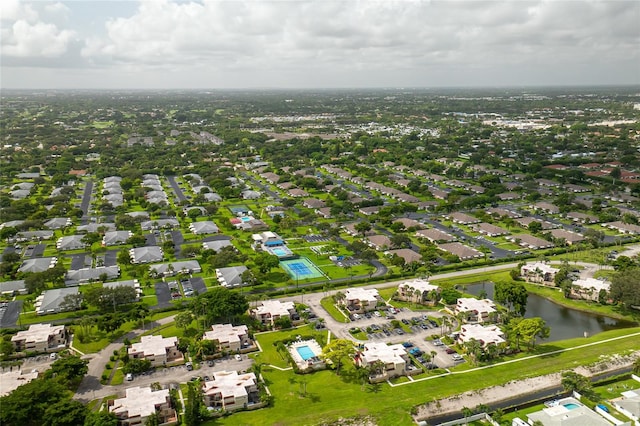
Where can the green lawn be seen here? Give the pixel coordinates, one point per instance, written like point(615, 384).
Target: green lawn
point(330, 396)
point(329, 305)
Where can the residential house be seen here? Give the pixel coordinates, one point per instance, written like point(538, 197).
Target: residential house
point(589, 288)
point(272, 310)
point(567, 411)
point(475, 310)
point(409, 223)
point(217, 245)
point(485, 335)
point(526, 221)
point(314, 203)
point(229, 337)
point(628, 404)
point(41, 338)
point(489, 229)
point(418, 291)
point(134, 284)
point(204, 227)
point(379, 242)
point(435, 235)
point(114, 238)
point(297, 193)
point(462, 251)
point(500, 212)
point(408, 255)
point(58, 223)
point(140, 403)
point(582, 217)
point(85, 275)
point(360, 300)
point(50, 301)
point(70, 242)
point(463, 218)
point(156, 349)
point(231, 391)
point(148, 254)
point(394, 359)
point(538, 272)
point(231, 276)
point(150, 225)
point(169, 269)
point(38, 264)
point(12, 288)
point(530, 242)
point(623, 228)
point(546, 207)
point(568, 236)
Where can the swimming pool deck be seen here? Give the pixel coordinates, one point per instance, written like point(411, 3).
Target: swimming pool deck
point(314, 363)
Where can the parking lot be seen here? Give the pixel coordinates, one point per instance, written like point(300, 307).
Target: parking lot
point(420, 334)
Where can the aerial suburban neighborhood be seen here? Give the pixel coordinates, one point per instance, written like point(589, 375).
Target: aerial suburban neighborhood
point(382, 257)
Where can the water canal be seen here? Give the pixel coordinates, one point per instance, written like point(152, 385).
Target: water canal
point(565, 323)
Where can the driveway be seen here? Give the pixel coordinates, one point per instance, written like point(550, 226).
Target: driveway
point(9, 314)
point(163, 294)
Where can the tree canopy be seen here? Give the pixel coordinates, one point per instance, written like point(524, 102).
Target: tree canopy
point(625, 287)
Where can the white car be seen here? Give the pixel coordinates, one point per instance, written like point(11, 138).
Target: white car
point(238, 357)
point(129, 377)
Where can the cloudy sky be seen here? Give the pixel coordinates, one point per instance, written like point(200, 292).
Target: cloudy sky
point(317, 43)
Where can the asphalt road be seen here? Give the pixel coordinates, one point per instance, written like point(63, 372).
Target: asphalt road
point(86, 201)
point(9, 318)
point(176, 188)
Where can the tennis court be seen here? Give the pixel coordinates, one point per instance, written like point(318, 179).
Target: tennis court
point(301, 268)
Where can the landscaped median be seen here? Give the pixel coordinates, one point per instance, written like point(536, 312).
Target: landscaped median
point(328, 396)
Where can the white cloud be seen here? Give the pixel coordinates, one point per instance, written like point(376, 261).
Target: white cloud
point(353, 40)
point(35, 40)
point(26, 35)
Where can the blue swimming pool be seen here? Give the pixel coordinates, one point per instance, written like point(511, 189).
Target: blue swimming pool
point(245, 218)
point(280, 252)
point(570, 406)
point(305, 352)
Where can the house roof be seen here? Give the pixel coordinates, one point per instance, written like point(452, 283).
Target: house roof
point(205, 227)
point(51, 299)
point(40, 264)
point(146, 254)
point(139, 402)
point(230, 276)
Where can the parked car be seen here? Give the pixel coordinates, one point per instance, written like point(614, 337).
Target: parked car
point(238, 357)
point(129, 377)
point(450, 351)
point(189, 366)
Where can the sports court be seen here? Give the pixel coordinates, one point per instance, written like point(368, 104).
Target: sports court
point(301, 268)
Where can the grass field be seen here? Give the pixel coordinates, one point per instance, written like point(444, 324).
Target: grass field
point(329, 396)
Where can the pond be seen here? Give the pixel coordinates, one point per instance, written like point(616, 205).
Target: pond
point(565, 323)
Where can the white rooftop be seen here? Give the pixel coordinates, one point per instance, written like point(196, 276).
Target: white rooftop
point(359, 293)
point(153, 345)
point(486, 335)
point(542, 267)
point(226, 333)
point(38, 333)
point(139, 402)
point(275, 307)
point(468, 304)
point(389, 354)
point(229, 383)
point(419, 284)
point(593, 283)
